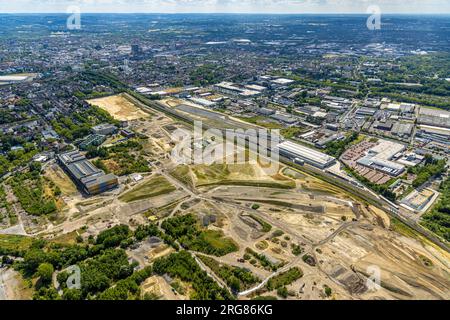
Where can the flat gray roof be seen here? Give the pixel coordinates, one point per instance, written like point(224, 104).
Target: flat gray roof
point(70, 157)
point(305, 152)
point(98, 179)
point(83, 169)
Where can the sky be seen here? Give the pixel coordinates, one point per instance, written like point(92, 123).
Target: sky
point(226, 6)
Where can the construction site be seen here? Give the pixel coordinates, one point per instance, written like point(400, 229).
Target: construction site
point(274, 226)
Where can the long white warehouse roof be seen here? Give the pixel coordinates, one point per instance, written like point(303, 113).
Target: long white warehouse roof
point(13, 78)
point(305, 152)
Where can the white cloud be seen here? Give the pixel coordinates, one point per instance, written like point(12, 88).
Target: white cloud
point(263, 6)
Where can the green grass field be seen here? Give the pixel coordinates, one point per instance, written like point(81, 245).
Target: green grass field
point(237, 175)
point(12, 242)
point(258, 184)
point(181, 173)
point(156, 186)
point(216, 240)
point(262, 122)
point(284, 278)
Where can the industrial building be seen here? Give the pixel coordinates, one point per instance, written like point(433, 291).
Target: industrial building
point(255, 87)
point(439, 135)
point(380, 156)
point(282, 82)
point(298, 152)
point(16, 78)
point(364, 111)
point(285, 118)
point(265, 111)
point(322, 143)
point(404, 130)
point(86, 176)
point(419, 200)
point(401, 107)
point(203, 102)
point(386, 166)
point(232, 89)
point(433, 117)
point(385, 126)
point(104, 129)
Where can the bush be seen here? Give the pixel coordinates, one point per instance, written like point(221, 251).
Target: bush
point(327, 291)
point(438, 219)
point(45, 273)
point(113, 237)
point(282, 292)
point(284, 279)
point(277, 233)
point(29, 190)
point(183, 266)
point(236, 278)
point(186, 230)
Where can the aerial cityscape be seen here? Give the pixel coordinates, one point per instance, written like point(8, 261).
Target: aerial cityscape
point(224, 156)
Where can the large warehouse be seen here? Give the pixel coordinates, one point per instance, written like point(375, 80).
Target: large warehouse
point(315, 158)
point(86, 176)
point(434, 117)
point(380, 158)
point(391, 168)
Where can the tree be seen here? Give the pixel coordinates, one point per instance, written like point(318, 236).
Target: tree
point(6, 260)
point(235, 284)
point(35, 166)
point(72, 294)
point(62, 279)
point(45, 272)
point(328, 291)
point(114, 236)
point(33, 258)
point(282, 292)
point(46, 294)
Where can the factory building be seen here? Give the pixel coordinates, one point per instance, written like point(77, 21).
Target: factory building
point(16, 78)
point(322, 143)
point(385, 126)
point(436, 118)
point(232, 89)
point(285, 118)
point(389, 167)
point(86, 176)
point(282, 82)
point(265, 111)
point(436, 134)
point(364, 111)
point(404, 130)
point(380, 158)
point(298, 152)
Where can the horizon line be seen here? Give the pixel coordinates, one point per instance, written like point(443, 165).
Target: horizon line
point(235, 13)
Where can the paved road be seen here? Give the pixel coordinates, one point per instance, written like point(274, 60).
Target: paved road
point(336, 233)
